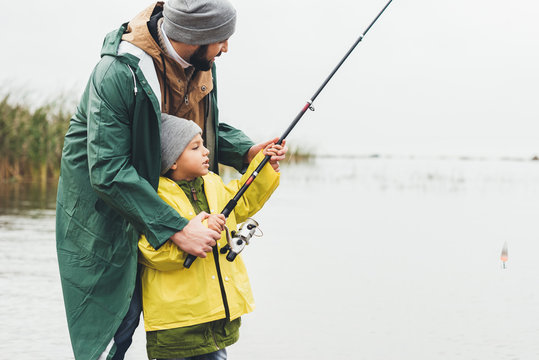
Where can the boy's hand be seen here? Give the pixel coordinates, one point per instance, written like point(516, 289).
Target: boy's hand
point(279, 155)
point(217, 222)
point(277, 152)
point(195, 238)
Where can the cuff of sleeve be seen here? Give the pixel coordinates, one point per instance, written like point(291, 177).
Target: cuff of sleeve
point(157, 240)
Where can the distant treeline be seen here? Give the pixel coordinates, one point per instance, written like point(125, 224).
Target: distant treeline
point(31, 140)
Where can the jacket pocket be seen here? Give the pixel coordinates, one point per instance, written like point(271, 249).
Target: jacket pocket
point(67, 199)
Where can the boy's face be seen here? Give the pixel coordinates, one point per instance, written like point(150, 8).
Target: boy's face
point(193, 162)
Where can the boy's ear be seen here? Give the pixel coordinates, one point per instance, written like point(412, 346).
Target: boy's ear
point(174, 166)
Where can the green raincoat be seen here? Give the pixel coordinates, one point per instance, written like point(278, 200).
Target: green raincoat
point(107, 194)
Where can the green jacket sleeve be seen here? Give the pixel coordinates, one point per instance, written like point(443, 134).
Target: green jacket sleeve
point(233, 146)
point(112, 174)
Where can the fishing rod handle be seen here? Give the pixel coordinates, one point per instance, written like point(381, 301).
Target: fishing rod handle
point(189, 260)
point(226, 211)
point(233, 202)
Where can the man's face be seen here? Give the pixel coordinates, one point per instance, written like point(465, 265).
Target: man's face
point(203, 57)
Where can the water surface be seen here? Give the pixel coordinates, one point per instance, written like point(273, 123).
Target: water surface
point(361, 259)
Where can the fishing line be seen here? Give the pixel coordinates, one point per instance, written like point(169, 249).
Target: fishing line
point(308, 106)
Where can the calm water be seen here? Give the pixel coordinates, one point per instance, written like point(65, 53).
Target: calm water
point(360, 259)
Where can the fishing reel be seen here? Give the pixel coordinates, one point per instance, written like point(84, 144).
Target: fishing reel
point(237, 240)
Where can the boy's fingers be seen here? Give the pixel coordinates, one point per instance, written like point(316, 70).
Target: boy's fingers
point(202, 215)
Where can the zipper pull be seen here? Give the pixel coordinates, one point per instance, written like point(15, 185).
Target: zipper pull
point(186, 100)
point(194, 193)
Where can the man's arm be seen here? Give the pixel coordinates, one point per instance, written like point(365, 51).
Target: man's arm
point(112, 174)
point(171, 255)
point(233, 146)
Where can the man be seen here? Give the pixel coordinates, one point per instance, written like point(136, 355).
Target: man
point(161, 62)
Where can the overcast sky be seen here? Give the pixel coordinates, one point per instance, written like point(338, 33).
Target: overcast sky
point(431, 77)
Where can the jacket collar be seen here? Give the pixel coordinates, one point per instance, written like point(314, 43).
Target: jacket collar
point(196, 184)
point(139, 33)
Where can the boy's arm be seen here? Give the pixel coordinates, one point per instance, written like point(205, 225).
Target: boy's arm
point(168, 257)
point(171, 255)
point(258, 192)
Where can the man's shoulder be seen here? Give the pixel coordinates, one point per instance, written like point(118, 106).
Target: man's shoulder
point(109, 67)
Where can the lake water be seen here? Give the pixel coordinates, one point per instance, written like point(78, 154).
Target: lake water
point(381, 258)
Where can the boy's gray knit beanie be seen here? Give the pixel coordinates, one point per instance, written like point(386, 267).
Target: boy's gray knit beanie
point(199, 22)
point(176, 134)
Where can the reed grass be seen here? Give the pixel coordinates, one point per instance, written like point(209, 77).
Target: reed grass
point(31, 140)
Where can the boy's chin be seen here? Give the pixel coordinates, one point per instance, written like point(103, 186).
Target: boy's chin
point(205, 171)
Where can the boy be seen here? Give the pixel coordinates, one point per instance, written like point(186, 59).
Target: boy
point(195, 313)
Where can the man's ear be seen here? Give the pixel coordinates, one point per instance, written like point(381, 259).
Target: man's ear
point(174, 166)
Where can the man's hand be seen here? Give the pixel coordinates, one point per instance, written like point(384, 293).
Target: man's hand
point(274, 161)
point(195, 238)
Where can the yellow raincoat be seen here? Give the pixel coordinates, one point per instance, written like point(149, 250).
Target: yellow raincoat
point(174, 296)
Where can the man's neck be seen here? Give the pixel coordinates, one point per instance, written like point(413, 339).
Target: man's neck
point(178, 51)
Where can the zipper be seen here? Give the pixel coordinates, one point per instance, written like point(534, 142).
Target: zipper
point(217, 267)
point(194, 203)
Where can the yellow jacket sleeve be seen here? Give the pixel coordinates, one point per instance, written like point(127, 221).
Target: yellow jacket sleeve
point(168, 257)
point(258, 192)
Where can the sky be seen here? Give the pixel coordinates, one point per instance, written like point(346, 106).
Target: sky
point(430, 78)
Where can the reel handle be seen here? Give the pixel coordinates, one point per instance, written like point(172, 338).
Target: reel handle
point(231, 255)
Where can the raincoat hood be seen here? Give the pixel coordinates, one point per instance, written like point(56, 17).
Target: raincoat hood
point(137, 32)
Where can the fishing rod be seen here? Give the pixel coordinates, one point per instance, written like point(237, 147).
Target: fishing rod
point(308, 106)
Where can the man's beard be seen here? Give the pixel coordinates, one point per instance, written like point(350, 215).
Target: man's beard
point(199, 59)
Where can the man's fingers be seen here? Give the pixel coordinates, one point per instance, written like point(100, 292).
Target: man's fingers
point(215, 235)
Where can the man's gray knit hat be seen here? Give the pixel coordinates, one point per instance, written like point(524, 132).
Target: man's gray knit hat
point(199, 22)
point(176, 134)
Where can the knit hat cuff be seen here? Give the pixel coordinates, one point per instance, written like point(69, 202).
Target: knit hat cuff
point(200, 36)
point(199, 22)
